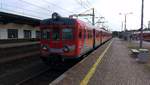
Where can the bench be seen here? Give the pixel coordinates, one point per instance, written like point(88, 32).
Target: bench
point(135, 52)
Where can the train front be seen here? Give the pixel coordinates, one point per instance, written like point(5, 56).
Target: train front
point(58, 37)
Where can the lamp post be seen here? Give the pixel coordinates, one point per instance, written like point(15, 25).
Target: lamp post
point(125, 34)
point(125, 19)
point(121, 25)
point(141, 34)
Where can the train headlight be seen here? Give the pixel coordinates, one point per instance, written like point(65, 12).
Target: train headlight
point(44, 47)
point(66, 49)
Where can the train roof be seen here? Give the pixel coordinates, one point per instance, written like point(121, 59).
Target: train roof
point(70, 21)
point(138, 32)
point(88, 26)
point(62, 20)
point(92, 27)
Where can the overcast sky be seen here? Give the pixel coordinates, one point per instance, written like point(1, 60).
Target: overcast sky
point(110, 9)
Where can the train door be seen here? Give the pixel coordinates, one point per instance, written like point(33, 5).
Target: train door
point(56, 39)
point(101, 37)
point(85, 40)
point(45, 38)
point(80, 41)
point(94, 38)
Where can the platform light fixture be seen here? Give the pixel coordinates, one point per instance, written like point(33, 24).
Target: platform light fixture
point(125, 19)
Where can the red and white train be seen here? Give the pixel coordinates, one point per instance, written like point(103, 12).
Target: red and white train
point(146, 35)
point(69, 38)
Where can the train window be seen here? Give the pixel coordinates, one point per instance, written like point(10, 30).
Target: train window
point(80, 34)
point(67, 34)
point(56, 34)
point(97, 34)
point(91, 34)
point(45, 34)
point(88, 34)
point(84, 34)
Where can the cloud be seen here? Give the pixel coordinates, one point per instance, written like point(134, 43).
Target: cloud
point(110, 9)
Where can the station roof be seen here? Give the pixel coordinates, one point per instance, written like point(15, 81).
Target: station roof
point(13, 18)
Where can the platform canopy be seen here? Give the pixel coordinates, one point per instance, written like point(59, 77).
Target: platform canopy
point(13, 18)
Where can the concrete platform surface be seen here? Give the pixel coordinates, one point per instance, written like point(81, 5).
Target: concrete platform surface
point(115, 68)
point(9, 45)
point(118, 68)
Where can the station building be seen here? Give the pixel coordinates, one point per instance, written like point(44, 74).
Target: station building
point(14, 27)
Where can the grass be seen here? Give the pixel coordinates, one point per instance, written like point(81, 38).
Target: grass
point(132, 45)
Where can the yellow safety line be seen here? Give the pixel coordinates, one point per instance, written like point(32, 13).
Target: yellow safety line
point(93, 69)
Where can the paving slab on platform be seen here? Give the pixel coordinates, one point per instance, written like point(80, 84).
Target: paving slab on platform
point(9, 45)
point(74, 75)
point(117, 67)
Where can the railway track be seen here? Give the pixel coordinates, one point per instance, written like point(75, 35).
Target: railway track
point(46, 75)
point(24, 81)
point(14, 51)
point(33, 71)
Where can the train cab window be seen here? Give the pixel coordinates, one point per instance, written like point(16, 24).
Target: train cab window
point(67, 34)
point(56, 34)
point(45, 34)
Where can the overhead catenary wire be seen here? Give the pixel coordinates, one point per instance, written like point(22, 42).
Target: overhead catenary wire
point(20, 10)
point(47, 10)
point(62, 7)
point(34, 5)
point(81, 3)
point(58, 6)
point(24, 9)
point(21, 13)
point(89, 3)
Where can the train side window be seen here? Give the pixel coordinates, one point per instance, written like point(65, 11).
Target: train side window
point(80, 34)
point(89, 34)
point(45, 34)
point(97, 34)
point(84, 34)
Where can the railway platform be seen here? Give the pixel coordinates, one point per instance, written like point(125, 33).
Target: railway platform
point(15, 51)
point(110, 64)
point(10, 45)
